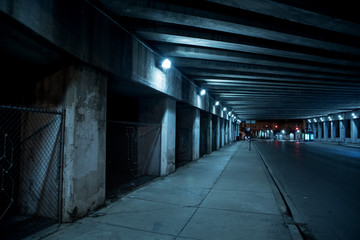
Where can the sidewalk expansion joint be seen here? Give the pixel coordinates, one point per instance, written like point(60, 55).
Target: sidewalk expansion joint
point(136, 229)
point(198, 206)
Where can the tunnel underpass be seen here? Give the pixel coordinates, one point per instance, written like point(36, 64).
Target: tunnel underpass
point(90, 114)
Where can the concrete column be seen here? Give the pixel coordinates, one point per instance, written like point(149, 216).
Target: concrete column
point(230, 131)
point(205, 133)
point(196, 135)
point(354, 130)
point(222, 132)
point(82, 92)
point(342, 126)
point(333, 131)
point(162, 110)
point(315, 129)
point(226, 129)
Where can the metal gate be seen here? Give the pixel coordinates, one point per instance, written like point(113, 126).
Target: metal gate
point(184, 143)
point(31, 143)
point(133, 155)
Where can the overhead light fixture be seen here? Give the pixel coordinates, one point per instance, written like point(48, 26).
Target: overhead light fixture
point(315, 120)
point(340, 117)
point(330, 119)
point(354, 115)
point(166, 64)
point(224, 109)
point(321, 119)
point(309, 120)
point(217, 103)
point(202, 92)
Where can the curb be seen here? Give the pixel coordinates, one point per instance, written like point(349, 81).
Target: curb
point(286, 206)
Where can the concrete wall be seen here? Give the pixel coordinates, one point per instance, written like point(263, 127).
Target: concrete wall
point(81, 91)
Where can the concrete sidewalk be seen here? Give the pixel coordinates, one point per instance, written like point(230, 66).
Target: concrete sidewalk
point(227, 194)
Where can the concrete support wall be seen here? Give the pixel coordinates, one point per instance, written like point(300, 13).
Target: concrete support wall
point(342, 131)
point(315, 127)
point(222, 132)
point(333, 131)
point(82, 92)
point(162, 110)
point(230, 131)
point(226, 131)
point(354, 124)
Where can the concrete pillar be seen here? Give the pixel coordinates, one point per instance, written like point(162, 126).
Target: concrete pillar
point(81, 91)
point(226, 128)
point(162, 110)
point(230, 131)
point(222, 132)
point(315, 129)
point(333, 131)
point(354, 130)
point(205, 133)
point(342, 126)
point(218, 131)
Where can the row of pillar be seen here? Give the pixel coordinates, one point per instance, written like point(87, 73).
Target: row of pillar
point(82, 92)
point(346, 130)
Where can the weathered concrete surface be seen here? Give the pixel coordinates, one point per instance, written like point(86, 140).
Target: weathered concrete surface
point(82, 93)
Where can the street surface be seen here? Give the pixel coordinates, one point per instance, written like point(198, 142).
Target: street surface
point(322, 182)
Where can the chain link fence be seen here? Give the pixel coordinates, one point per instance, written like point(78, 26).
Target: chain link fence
point(31, 170)
point(133, 155)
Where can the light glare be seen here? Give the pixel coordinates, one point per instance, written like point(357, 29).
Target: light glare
point(166, 64)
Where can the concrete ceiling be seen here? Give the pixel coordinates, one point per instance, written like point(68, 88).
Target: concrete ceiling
point(264, 59)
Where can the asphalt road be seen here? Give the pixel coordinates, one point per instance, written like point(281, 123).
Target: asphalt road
point(323, 184)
